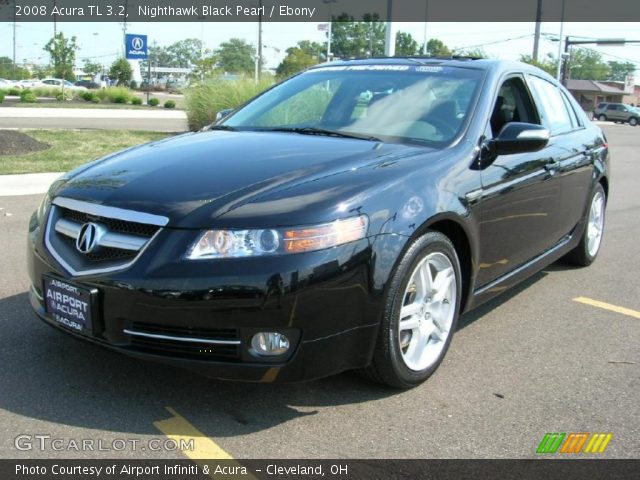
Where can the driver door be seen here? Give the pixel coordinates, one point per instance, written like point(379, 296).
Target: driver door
point(520, 194)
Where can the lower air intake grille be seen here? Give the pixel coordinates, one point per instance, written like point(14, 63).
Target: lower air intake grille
point(182, 341)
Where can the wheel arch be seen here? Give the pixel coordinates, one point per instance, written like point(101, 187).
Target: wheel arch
point(454, 229)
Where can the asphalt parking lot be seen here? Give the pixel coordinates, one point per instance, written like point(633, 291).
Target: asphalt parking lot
point(534, 361)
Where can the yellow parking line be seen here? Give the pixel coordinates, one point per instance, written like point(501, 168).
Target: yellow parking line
point(180, 430)
point(608, 306)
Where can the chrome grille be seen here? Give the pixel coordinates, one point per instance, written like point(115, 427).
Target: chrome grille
point(122, 235)
point(185, 341)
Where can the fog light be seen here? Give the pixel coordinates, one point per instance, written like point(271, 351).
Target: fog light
point(270, 343)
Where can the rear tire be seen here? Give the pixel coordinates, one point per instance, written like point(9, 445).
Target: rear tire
point(587, 250)
point(602, 118)
point(420, 314)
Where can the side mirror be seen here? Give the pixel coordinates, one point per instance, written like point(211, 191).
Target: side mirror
point(518, 137)
point(223, 113)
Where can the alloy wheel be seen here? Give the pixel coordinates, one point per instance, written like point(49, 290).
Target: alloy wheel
point(596, 224)
point(427, 312)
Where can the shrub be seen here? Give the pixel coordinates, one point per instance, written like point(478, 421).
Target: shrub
point(169, 104)
point(154, 102)
point(133, 85)
point(60, 97)
point(14, 92)
point(115, 94)
point(26, 91)
point(87, 96)
point(95, 99)
point(203, 102)
point(136, 101)
point(28, 98)
point(1, 96)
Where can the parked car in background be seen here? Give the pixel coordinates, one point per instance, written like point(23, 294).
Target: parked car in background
point(617, 112)
point(27, 83)
point(57, 82)
point(343, 219)
point(87, 84)
point(6, 84)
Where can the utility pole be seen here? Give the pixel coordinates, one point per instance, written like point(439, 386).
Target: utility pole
point(14, 42)
point(259, 40)
point(536, 37)
point(426, 16)
point(390, 37)
point(124, 30)
point(329, 2)
point(560, 43)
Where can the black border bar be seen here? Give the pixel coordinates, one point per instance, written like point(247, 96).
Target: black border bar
point(317, 10)
point(534, 469)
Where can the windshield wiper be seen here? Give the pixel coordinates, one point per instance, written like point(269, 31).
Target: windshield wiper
point(222, 127)
point(322, 131)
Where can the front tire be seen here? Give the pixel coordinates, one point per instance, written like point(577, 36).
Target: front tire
point(633, 121)
point(602, 118)
point(420, 314)
point(587, 250)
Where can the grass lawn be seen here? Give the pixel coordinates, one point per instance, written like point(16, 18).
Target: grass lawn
point(70, 148)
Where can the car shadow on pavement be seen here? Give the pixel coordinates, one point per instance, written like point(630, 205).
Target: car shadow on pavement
point(53, 377)
point(47, 375)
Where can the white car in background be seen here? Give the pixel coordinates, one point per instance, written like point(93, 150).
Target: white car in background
point(6, 83)
point(27, 83)
point(57, 82)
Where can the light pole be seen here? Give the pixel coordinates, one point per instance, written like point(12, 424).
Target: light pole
point(560, 43)
point(329, 2)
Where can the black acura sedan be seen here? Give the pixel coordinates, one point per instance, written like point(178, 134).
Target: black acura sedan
point(343, 219)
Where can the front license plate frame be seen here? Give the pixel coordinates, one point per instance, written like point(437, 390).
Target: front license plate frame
point(70, 305)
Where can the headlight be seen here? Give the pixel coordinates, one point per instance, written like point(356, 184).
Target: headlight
point(42, 209)
point(249, 243)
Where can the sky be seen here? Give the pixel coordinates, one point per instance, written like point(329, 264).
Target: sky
point(101, 42)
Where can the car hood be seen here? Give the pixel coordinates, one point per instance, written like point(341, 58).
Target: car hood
point(194, 178)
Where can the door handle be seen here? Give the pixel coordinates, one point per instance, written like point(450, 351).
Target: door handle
point(552, 166)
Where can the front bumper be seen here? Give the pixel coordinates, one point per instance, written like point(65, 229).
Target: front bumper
point(321, 300)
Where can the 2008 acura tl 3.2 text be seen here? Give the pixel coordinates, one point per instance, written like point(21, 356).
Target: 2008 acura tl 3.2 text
point(341, 220)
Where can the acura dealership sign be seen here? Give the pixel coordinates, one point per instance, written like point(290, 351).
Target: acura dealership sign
point(136, 46)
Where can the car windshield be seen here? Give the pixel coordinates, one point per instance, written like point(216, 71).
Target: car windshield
point(425, 104)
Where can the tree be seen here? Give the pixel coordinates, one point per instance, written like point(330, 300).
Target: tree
point(121, 71)
point(406, 45)
point(41, 71)
point(437, 48)
point(357, 39)
point(587, 64)
point(236, 56)
point(184, 53)
point(63, 55)
point(304, 55)
point(92, 68)
point(619, 70)
point(548, 63)
point(472, 52)
point(11, 71)
point(203, 67)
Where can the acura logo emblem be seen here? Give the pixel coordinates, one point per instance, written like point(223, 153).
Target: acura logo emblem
point(88, 237)
point(137, 43)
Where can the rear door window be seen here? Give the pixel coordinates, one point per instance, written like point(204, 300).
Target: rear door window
point(553, 109)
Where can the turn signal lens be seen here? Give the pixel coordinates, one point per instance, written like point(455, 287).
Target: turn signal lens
point(325, 236)
point(248, 243)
